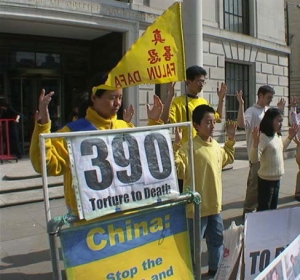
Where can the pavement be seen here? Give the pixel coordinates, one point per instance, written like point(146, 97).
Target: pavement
point(24, 244)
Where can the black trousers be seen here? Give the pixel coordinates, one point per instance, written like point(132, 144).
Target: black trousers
point(267, 194)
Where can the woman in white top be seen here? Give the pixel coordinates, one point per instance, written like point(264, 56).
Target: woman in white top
point(268, 148)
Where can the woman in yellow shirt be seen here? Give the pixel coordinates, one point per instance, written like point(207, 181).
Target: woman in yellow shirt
point(101, 114)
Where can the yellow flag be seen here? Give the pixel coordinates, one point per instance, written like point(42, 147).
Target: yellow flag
point(156, 57)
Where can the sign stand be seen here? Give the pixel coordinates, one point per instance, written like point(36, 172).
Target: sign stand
point(148, 187)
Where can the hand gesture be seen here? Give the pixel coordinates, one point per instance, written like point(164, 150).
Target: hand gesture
point(297, 140)
point(293, 130)
point(178, 135)
point(44, 101)
point(281, 104)
point(239, 96)
point(230, 128)
point(155, 112)
point(294, 102)
point(127, 114)
point(255, 136)
point(171, 89)
point(222, 91)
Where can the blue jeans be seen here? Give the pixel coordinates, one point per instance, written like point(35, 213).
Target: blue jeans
point(213, 228)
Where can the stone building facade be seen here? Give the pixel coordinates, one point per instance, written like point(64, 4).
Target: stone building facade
point(58, 44)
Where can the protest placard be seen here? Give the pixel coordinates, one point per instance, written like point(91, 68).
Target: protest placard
point(152, 244)
point(122, 170)
point(267, 234)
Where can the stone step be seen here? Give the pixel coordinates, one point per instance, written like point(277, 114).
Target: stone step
point(20, 184)
point(25, 196)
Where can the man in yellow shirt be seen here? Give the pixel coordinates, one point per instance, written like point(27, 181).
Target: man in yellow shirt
point(209, 159)
point(179, 109)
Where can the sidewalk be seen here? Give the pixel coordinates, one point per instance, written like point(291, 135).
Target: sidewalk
point(24, 247)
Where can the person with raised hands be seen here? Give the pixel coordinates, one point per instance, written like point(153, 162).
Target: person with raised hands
point(101, 114)
point(209, 160)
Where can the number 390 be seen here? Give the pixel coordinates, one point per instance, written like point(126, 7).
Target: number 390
point(157, 155)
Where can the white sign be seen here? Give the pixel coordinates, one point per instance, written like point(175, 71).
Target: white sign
point(267, 234)
point(122, 171)
point(286, 265)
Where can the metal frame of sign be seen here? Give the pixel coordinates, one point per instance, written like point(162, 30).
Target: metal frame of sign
point(53, 225)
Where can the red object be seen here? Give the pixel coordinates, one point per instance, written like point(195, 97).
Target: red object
point(4, 141)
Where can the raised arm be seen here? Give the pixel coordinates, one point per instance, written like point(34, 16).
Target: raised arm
point(293, 112)
point(56, 152)
point(254, 152)
point(168, 102)
point(221, 94)
point(241, 114)
point(155, 112)
point(128, 114)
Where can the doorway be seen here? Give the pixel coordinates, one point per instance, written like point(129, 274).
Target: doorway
point(24, 96)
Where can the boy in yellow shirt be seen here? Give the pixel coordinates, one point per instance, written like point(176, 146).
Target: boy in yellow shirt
point(209, 159)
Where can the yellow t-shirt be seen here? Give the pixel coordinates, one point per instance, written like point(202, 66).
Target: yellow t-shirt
point(209, 159)
point(178, 113)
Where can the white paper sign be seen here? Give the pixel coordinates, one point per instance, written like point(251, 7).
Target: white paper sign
point(122, 171)
point(286, 265)
point(267, 234)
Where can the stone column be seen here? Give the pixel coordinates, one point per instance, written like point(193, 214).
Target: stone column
point(193, 32)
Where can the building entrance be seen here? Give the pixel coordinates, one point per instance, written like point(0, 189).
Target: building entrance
point(24, 95)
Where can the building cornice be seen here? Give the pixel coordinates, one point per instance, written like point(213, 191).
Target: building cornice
point(224, 35)
point(95, 8)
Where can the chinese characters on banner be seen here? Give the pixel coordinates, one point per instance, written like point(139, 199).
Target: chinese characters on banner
point(156, 57)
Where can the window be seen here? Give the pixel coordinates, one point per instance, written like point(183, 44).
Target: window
point(236, 16)
point(237, 78)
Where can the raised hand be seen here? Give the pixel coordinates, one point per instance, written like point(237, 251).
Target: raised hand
point(293, 131)
point(127, 114)
point(239, 96)
point(171, 89)
point(155, 112)
point(44, 100)
point(230, 128)
point(255, 136)
point(178, 135)
point(294, 102)
point(222, 91)
point(297, 140)
point(281, 104)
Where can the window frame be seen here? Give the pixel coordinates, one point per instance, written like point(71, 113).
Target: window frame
point(238, 80)
point(240, 10)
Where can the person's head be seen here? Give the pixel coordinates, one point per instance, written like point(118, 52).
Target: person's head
point(80, 101)
point(195, 79)
point(105, 102)
point(204, 121)
point(271, 122)
point(265, 95)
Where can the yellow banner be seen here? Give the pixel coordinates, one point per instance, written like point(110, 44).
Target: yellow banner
point(156, 57)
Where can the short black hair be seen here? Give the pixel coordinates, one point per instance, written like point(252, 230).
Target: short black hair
point(98, 79)
point(266, 125)
point(265, 89)
point(200, 111)
point(194, 71)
